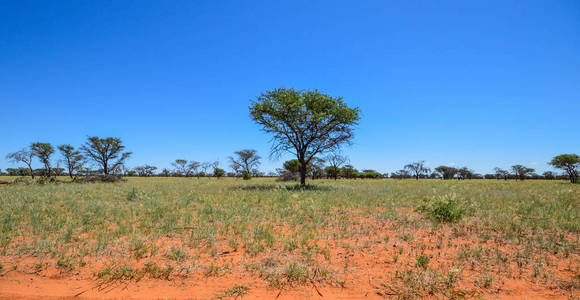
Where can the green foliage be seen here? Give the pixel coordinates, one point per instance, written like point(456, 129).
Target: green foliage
point(304, 122)
point(43, 151)
point(569, 163)
point(72, 158)
point(446, 172)
point(292, 165)
point(247, 176)
point(370, 174)
point(521, 171)
point(444, 209)
point(107, 153)
point(219, 173)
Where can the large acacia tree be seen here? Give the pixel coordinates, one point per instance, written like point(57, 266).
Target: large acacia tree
point(446, 172)
point(107, 153)
point(43, 151)
point(569, 163)
point(304, 122)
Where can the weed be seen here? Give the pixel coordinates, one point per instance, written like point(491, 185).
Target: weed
point(422, 261)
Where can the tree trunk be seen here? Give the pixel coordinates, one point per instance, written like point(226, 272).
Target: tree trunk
point(31, 171)
point(302, 170)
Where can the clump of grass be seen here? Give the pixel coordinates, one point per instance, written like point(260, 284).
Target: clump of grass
point(115, 272)
point(139, 248)
point(156, 272)
point(237, 291)
point(133, 194)
point(444, 209)
point(213, 271)
point(412, 284)
point(422, 261)
point(177, 254)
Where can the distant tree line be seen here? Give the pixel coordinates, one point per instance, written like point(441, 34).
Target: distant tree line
point(106, 156)
point(305, 123)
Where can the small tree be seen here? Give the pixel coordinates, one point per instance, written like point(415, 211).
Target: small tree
point(401, 174)
point(43, 151)
point(521, 172)
point(501, 173)
point(548, 175)
point(205, 166)
point(164, 173)
point(219, 173)
point(335, 161)
point(107, 153)
point(181, 167)
point(194, 168)
point(22, 156)
point(348, 171)
point(465, 173)
point(418, 169)
point(72, 159)
point(145, 170)
point(304, 123)
point(246, 161)
point(569, 163)
point(315, 166)
point(446, 172)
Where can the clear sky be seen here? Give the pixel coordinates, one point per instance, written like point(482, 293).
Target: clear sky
point(470, 83)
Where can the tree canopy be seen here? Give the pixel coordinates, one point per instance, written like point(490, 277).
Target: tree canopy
point(43, 151)
point(569, 163)
point(418, 168)
point(304, 122)
point(72, 159)
point(521, 171)
point(107, 153)
point(246, 161)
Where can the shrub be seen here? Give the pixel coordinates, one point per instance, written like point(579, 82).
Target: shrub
point(23, 180)
point(99, 178)
point(444, 209)
point(247, 176)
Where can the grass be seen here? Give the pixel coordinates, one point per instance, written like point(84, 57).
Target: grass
point(179, 220)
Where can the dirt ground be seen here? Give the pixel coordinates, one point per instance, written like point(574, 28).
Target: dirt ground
point(365, 270)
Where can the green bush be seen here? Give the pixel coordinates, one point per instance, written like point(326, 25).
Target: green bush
point(444, 209)
point(247, 176)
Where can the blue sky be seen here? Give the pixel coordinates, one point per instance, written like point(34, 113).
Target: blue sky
point(470, 83)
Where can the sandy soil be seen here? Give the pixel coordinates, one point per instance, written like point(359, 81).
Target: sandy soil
point(365, 270)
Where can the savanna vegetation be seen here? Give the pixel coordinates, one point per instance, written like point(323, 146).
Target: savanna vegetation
point(387, 238)
point(446, 232)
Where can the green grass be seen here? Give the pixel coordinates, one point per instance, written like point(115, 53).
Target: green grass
point(67, 222)
point(198, 209)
